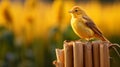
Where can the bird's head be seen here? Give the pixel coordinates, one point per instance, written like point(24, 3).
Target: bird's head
point(76, 11)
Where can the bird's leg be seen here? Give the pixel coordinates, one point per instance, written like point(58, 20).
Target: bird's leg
point(86, 39)
point(83, 40)
point(91, 39)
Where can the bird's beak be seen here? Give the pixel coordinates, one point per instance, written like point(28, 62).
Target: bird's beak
point(70, 11)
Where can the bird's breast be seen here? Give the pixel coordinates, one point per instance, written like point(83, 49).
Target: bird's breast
point(81, 29)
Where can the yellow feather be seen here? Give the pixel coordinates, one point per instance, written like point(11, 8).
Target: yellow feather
point(81, 29)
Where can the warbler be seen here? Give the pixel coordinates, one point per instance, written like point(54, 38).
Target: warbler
point(83, 26)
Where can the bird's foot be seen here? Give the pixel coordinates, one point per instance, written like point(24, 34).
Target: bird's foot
point(82, 40)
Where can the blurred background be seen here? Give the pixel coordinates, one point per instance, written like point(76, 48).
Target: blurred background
point(30, 30)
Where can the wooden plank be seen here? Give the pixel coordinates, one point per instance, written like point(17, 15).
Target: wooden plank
point(96, 55)
point(78, 54)
point(106, 56)
point(68, 54)
point(88, 55)
point(102, 55)
point(60, 58)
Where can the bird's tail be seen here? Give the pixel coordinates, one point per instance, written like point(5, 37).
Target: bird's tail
point(104, 38)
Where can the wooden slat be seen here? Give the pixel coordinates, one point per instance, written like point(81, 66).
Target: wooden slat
point(68, 54)
point(96, 55)
point(60, 58)
point(102, 55)
point(106, 56)
point(78, 54)
point(88, 55)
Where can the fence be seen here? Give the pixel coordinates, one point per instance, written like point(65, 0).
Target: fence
point(83, 54)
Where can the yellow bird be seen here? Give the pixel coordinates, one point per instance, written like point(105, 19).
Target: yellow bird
point(83, 26)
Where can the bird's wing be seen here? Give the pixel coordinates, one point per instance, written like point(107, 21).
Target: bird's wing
point(91, 25)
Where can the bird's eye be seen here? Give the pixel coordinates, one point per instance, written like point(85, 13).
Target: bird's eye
point(76, 10)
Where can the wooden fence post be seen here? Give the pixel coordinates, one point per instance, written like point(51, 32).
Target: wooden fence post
point(83, 54)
